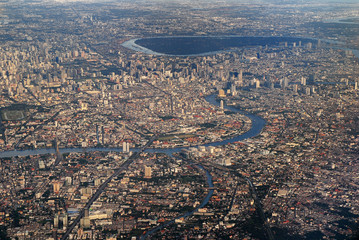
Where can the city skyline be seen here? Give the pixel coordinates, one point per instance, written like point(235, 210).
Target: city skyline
point(179, 119)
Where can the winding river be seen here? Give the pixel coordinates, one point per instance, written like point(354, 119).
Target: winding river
point(256, 127)
point(186, 46)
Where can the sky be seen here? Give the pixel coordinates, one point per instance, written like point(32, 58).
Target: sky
point(237, 1)
point(213, 1)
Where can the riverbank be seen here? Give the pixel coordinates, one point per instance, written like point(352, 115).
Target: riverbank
point(257, 125)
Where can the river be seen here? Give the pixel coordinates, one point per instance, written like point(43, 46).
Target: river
point(256, 127)
point(186, 46)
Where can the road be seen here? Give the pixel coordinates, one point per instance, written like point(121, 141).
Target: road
point(102, 187)
point(257, 202)
point(204, 202)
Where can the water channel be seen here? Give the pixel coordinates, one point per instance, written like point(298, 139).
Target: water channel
point(256, 127)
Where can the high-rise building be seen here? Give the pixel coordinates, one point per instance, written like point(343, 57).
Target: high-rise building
point(56, 187)
point(65, 221)
point(124, 147)
point(240, 78)
point(285, 83)
point(227, 162)
point(68, 181)
point(41, 164)
point(303, 81)
point(295, 88)
point(148, 172)
point(221, 93)
point(221, 104)
point(233, 90)
point(86, 191)
point(307, 91)
point(313, 90)
point(83, 106)
point(85, 221)
point(97, 182)
point(56, 221)
point(258, 83)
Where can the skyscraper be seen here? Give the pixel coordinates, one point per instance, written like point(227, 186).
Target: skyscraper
point(148, 172)
point(295, 88)
point(221, 93)
point(85, 221)
point(303, 81)
point(285, 83)
point(56, 187)
point(307, 91)
point(258, 83)
point(68, 181)
point(240, 78)
point(124, 147)
point(56, 221)
point(65, 221)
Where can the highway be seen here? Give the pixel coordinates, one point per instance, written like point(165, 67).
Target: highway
point(257, 202)
point(102, 187)
point(204, 202)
